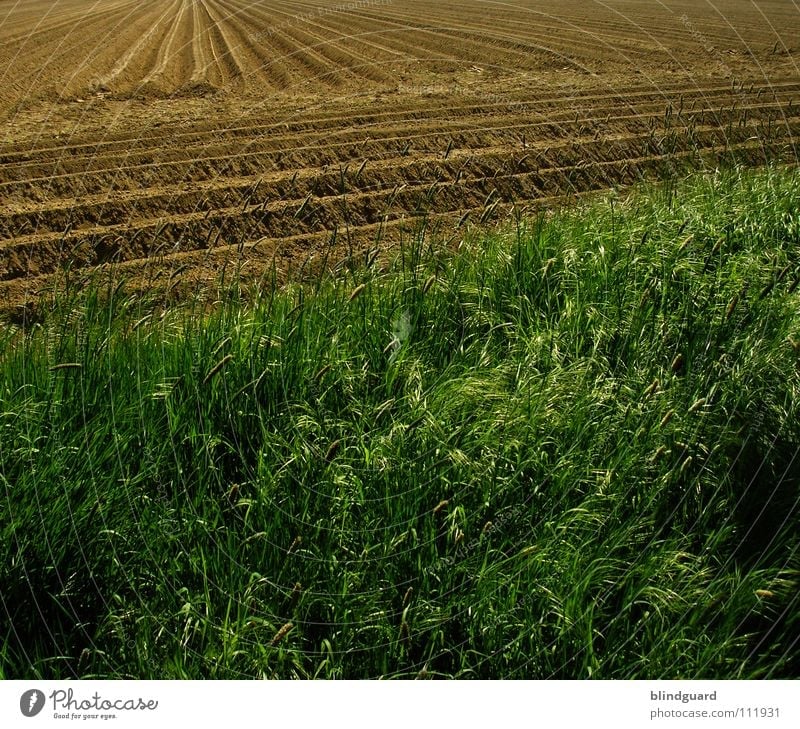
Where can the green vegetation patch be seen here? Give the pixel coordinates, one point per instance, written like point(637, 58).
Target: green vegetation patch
point(567, 449)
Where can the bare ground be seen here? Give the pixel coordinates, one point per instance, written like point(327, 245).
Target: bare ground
point(171, 140)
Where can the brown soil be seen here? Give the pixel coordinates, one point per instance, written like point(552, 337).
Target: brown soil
point(171, 140)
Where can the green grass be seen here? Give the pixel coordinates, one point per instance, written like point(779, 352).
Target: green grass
point(568, 449)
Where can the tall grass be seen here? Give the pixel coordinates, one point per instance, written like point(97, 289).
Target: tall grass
point(567, 449)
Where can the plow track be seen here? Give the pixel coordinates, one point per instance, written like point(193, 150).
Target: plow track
point(222, 132)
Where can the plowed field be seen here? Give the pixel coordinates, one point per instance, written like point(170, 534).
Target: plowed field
point(170, 139)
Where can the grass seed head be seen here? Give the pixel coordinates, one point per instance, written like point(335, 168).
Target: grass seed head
point(67, 366)
point(356, 292)
point(731, 307)
point(333, 449)
point(224, 343)
point(281, 634)
point(141, 321)
point(217, 368)
point(372, 257)
point(405, 633)
point(697, 404)
point(440, 506)
point(666, 418)
point(295, 596)
point(651, 388)
point(321, 371)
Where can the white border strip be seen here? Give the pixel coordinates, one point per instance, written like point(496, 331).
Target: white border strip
point(402, 704)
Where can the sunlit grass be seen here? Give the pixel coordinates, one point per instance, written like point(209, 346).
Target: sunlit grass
point(567, 449)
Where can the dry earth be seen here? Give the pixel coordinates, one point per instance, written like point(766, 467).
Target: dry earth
point(171, 139)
